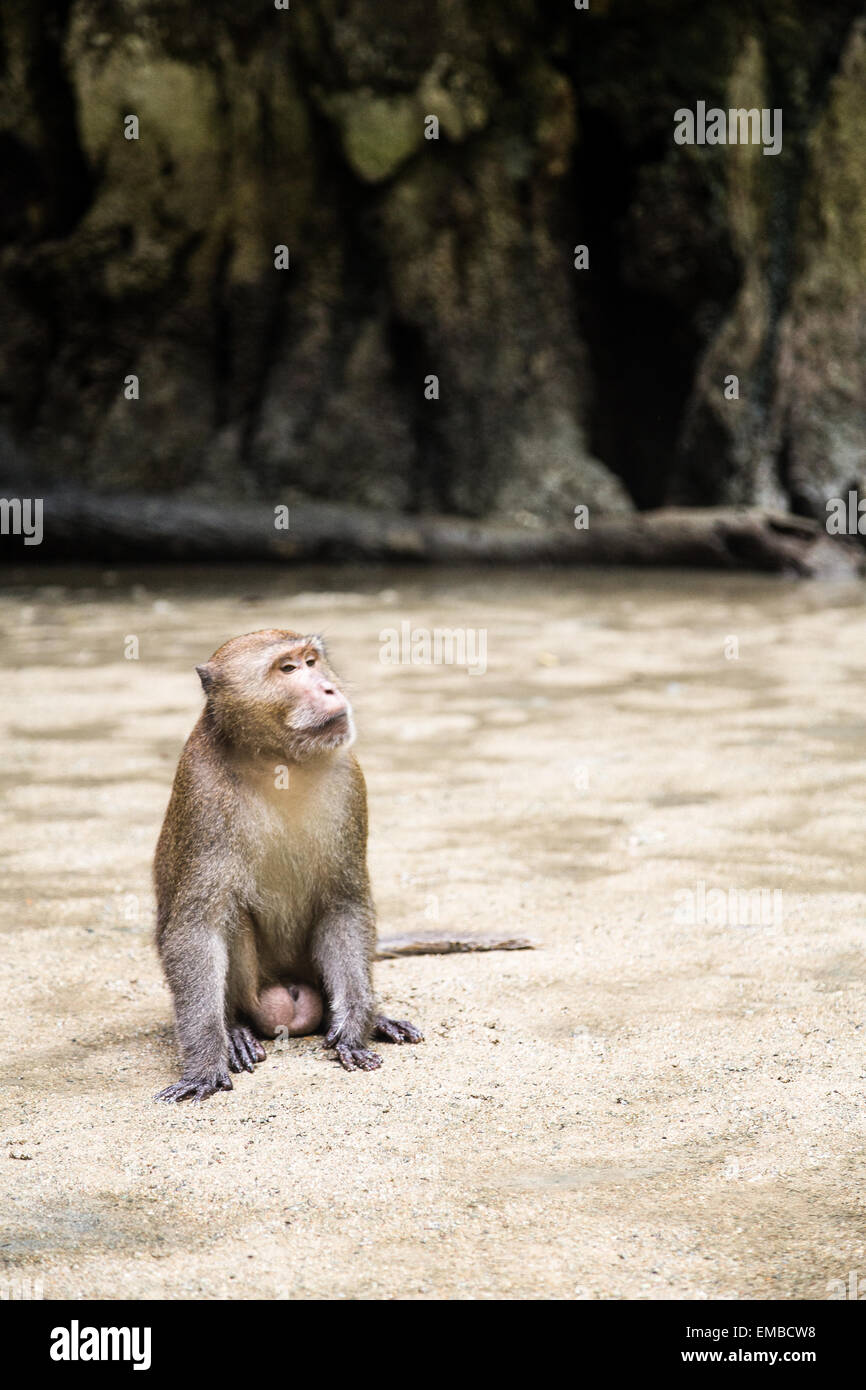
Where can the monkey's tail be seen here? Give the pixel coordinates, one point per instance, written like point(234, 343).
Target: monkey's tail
point(436, 944)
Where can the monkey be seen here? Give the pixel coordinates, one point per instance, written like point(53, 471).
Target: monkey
point(265, 915)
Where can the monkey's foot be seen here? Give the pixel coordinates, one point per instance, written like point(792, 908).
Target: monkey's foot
point(355, 1058)
point(244, 1049)
point(392, 1030)
point(196, 1088)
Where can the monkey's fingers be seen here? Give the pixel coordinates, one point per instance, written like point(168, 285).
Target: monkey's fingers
point(195, 1088)
point(396, 1030)
point(244, 1049)
point(357, 1058)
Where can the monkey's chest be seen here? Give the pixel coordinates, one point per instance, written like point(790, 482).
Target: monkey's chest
point(291, 861)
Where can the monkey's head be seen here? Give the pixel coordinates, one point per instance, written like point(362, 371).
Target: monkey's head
point(274, 692)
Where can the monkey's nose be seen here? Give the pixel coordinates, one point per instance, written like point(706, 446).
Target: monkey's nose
point(332, 703)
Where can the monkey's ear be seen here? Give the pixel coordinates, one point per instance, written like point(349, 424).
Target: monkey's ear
point(207, 676)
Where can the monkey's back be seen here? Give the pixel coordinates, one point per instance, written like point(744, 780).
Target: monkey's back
point(196, 830)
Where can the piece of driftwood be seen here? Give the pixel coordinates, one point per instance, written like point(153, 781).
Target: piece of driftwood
point(437, 944)
point(129, 527)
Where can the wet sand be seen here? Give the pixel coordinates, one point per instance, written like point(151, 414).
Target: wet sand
point(664, 1100)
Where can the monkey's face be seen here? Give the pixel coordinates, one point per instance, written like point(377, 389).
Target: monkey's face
point(274, 691)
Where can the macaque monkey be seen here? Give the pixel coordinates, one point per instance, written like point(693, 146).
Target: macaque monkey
point(265, 920)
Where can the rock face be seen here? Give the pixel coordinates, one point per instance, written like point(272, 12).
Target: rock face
point(430, 169)
point(819, 401)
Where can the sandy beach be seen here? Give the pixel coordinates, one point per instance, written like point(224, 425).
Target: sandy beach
point(659, 779)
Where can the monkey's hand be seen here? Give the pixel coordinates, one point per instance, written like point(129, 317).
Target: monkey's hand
point(352, 1057)
point(197, 1088)
point(392, 1030)
point(357, 1058)
point(244, 1049)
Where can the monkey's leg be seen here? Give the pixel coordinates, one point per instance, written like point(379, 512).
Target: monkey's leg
point(341, 949)
point(199, 992)
point(244, 1048)
point(396, 1030)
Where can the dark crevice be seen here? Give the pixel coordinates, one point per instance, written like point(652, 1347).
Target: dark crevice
point(45, 192)
point(428, 483)
point(797, 501)
point(221, 319)
point(642, 343)
point(268, 348)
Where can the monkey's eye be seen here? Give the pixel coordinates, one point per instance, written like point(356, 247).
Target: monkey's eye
point(311, 661)
point(287, 666)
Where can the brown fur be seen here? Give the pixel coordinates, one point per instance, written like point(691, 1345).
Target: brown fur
point(259, 885)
